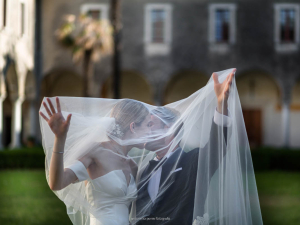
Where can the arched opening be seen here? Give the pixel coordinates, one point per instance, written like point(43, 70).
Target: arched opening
point(260, 98)
point(61, 83)
point(295, 115)
point(133, 86)
point(295, 96)
point(184, 84)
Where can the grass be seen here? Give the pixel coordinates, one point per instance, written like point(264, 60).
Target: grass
point(25, 198)
point(279, 194)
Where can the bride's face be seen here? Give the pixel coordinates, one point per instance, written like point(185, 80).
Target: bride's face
point(142, 131)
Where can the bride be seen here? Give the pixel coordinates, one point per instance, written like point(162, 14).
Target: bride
point(97, 163)
point(133, 121)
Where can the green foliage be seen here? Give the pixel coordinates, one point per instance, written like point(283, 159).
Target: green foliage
point(279, 193)
point(83, 33)
point(265, 158)
point(22, 158)
point(268, 158)
point(68, 41)
point(27, 199)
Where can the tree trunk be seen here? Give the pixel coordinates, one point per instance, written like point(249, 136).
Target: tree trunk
point(117, 28)
point(86, 67)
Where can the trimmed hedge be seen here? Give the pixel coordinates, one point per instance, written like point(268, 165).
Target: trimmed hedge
point(22, 158)
point(268, 158)
point(264, 158)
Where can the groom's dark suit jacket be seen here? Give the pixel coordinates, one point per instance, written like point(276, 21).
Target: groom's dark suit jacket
point(176, 204)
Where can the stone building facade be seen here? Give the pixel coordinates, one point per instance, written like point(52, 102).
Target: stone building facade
point(169, 50)
point(17, 80)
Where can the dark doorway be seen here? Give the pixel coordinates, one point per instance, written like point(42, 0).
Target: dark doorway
point(253, 125)
point(6, 135)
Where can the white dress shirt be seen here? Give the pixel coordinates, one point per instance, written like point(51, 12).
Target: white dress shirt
point(154, 181)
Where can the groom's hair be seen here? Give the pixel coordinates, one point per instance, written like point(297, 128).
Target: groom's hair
point(169, 117)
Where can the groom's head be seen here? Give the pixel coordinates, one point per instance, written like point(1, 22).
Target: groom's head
point(165, 124)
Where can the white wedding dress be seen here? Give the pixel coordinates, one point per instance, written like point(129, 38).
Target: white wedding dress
point(109, 195)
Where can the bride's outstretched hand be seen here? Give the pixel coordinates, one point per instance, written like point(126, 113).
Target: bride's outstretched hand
point(222, 89)
point(56, 121)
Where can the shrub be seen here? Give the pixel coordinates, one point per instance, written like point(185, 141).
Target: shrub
point(264, 158)
point(22, 158)
point(268, 158)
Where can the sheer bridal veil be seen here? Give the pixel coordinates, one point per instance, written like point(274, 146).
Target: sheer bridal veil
point(193, 164)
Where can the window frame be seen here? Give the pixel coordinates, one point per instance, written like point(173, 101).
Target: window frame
point(286, 47)
point(214, 45)
point(103, 8)
point(152, 48)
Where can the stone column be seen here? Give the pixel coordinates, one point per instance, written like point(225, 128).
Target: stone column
point(158, 97)
point(16, 123)
point(158, 87)
point(286, 99)
point(286, 124)
point(32, 115)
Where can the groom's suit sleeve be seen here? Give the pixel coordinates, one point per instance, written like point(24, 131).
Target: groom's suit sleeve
point(220, 133)
point(208, 164)
point(221, 119)
point(210, 153)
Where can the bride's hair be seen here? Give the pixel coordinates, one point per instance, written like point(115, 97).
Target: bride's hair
point(127, 111)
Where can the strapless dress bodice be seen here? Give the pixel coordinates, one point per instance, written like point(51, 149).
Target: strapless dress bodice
point(111, 197)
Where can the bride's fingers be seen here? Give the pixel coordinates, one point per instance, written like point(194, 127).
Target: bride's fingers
point(51, 106)
point(42, 114)
point(47, 109)
point(58, 105)
point(226, 87)
point(69, 118)
point(230, 81)
point(215, 77)
point(230, 77)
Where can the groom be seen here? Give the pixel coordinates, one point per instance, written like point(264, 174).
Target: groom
point(168, 198)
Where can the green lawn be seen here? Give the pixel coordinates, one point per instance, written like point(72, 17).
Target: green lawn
point(25, 198)
point(279, 194)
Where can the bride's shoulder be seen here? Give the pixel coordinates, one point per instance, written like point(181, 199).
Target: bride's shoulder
point(100, 152)
point(103, 148)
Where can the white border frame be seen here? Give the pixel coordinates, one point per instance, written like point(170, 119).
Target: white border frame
point(285, 47)
point(158, 48)
point(221, 47)
point(101, 7)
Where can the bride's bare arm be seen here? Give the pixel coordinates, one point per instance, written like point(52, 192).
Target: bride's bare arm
point(59, 177)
